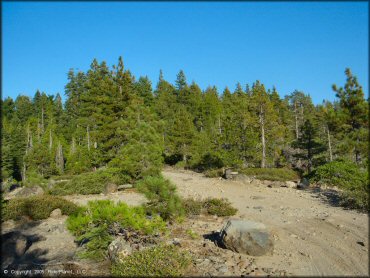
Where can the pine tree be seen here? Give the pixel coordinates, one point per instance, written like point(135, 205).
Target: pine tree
point(354, 112)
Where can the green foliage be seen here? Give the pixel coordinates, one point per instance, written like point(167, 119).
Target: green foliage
point(162, 196)
point(163, 261)
point(36, 207)
point(273, 174)
point(219, 207)
point(90, 183)
point(92, 224)
point(346, 176)
point(141, 155)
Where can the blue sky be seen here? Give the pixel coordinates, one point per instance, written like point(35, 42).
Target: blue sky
point(291, 45)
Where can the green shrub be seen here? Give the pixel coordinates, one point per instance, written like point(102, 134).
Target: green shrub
point(272, 174)
point(219, 207)
point(180, 165)
point(36, 207)
point(92, 224)
point(163, 260)
point(192, 207)
point(162, 196)
point(89, 183)
point(214, 173)
point(213, 206)
point(346, 176)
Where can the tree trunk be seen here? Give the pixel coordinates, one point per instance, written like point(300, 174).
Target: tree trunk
point(219, 124)
point(24, 172)
point(296, 121)
point(184, 158)
point(42, 120)
point(329, 143)
point(73, 145)
point(262, 122)
point(59, 159)
point(88, 137)
point(50, 140)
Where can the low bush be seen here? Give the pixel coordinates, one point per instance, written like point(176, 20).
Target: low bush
point(163, 260)
point(92, 223)
point(346, 176)
point(213, 206)
point(36, 207)
point(192, 207)
point(219, 207)
point(214, 173)
point(163, 199)
point(272, 174)
point(89, 183)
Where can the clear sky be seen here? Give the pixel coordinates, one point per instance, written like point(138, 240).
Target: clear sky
point(291, 45)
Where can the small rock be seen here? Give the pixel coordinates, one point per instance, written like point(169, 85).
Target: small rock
point(360, 243)
point(56, 213)
point(29, 191)
point(176, 242)
point(124, 186)
point(290, 184)
point(20, 245)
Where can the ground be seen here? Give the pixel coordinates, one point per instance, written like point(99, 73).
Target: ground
point(312, 236)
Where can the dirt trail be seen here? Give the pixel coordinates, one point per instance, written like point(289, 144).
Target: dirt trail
point(311, 236)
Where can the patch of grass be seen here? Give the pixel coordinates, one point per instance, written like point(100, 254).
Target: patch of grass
point(89, 183)
point(163, 260)
point(346, 176)
point(214, 173)
point(91, 224)
point(272, 174)
point(219, 207)
point(192, 234)
point(162, 196)
point(36, 207)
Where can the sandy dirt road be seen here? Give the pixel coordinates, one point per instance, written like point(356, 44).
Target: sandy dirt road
point(312, 237)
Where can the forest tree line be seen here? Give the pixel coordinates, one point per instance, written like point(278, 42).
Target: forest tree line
point(110, 119)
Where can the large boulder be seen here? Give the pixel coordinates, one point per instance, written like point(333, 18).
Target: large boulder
point(246, 237)
point(29, 191)
point(119, 249)
point(14, 245)
point(110, 188)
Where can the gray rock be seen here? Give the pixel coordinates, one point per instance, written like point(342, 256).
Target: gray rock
point(57, 213)
point(119, 249)
point(290, 184)
point(110, 188)
point(304, 183)
point(29, 191)
point(246, 237)
point(124, 186)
